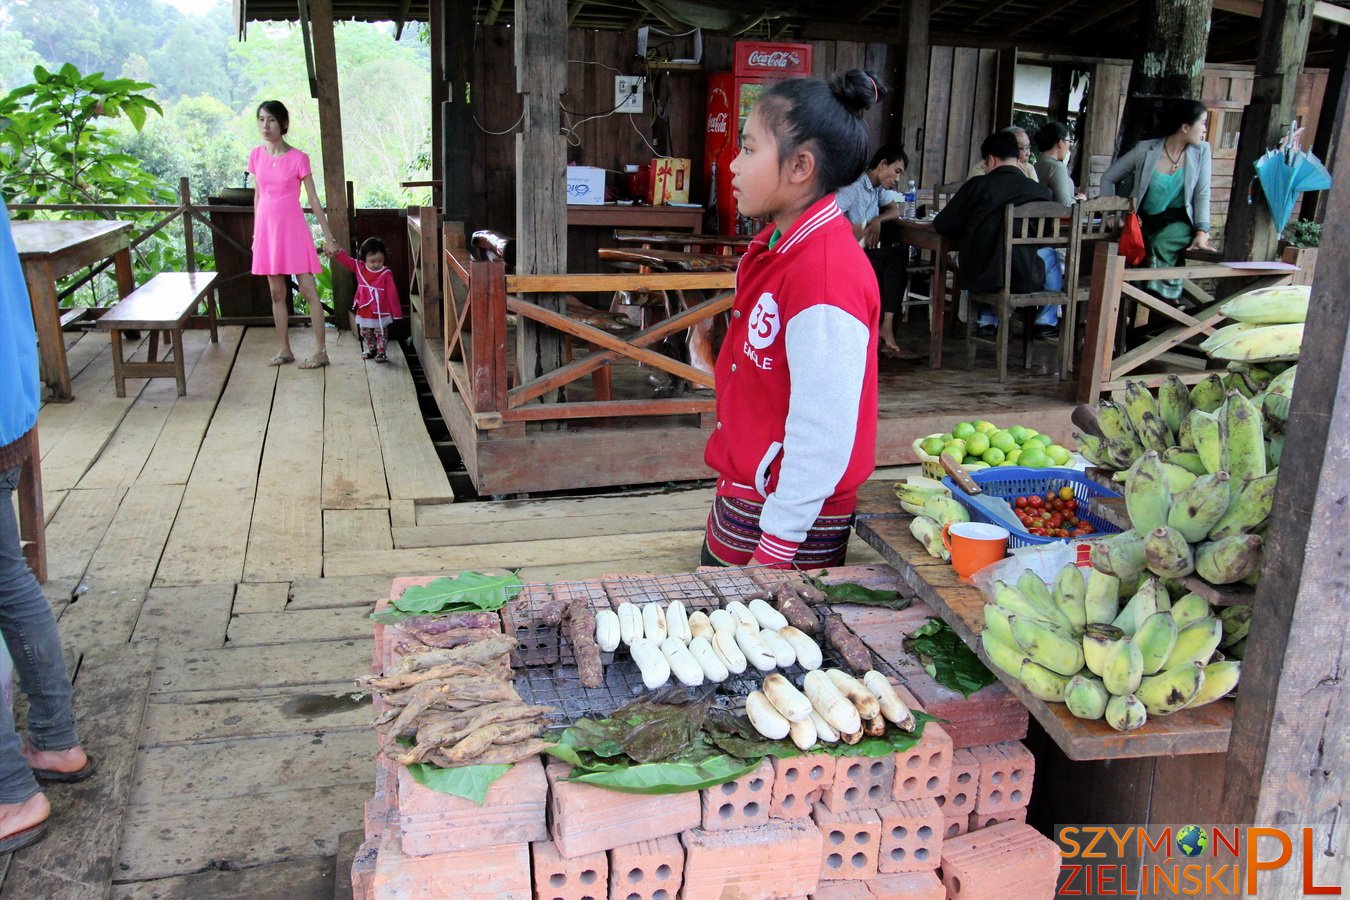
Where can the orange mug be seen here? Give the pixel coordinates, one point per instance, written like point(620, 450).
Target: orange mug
point(974, 545)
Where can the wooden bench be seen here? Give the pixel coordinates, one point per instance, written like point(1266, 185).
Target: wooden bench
point(164, 303)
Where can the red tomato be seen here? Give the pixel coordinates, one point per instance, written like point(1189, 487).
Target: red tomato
point(1035, 501)
point(1020, 503)
point(1056, 520)
point(1087, 528)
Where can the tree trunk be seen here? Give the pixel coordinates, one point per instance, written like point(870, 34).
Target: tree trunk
point(1168, 67)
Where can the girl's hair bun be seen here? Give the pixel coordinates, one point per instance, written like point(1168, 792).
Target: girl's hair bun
point(858, 90)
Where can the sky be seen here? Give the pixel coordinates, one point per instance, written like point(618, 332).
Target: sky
point(192, 7)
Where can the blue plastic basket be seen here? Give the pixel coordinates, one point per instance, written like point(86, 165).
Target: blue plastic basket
point(1009, 482)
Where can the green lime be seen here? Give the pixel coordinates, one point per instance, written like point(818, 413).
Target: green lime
point(1012, 458)
point(1034, 457)
point(976, 466)
point(977, 443)
point(954, 457)
point(946, 437)
point(1037, 440)
point(1019, 434)
point(994, 456)
point(985, 427)
point(1003, 440)
point(955, 447)
point(932, 446)
point(1058, 455)
point(963, 430)
point(970, 460)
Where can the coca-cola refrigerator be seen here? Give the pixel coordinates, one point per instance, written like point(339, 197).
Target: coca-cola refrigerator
point(731, 96)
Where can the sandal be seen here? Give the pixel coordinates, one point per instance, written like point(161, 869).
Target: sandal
point(381, 358)
point(365, 354)
point(52, 776)
point(26, 838)
point(317, 361)
point(281, 359)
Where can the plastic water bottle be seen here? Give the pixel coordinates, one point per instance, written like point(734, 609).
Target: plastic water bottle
point(911, 199)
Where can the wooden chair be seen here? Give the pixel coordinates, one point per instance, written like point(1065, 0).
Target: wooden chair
point(1100, 219)
point(1036, 226)
point(942, 194)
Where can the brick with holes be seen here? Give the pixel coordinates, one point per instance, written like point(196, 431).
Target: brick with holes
point(512, 812)
point(909, 886)
point(798, 783)
point(767, 862)
point(647, 870)
point(1006, 772)
point(584, 818)
point(911, 836)
point(955, 826)
point(860, 782)
point(980, 820)
point(488, 873)
point(962, 787)
point(1009, 860)
point(555, 878)
point(851, 842)
point(739, 803)
point(924, 770)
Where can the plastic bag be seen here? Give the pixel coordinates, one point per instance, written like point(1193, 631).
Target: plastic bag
point(1131, 244)
point(1045, 560)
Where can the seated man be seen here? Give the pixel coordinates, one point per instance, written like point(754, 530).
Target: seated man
point(1023, 156)
point(974, 216)
point(868, 202)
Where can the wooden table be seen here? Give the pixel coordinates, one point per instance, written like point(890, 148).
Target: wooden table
point(921, 233)
point(50, 251)
point(619, 215)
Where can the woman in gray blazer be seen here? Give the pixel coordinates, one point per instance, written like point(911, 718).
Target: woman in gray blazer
point(1168, 179)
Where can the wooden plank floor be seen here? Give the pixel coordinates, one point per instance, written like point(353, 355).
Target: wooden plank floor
point(214, 558)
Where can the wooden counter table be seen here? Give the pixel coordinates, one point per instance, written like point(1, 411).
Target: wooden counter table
point(51, 250)
point(1171, 770)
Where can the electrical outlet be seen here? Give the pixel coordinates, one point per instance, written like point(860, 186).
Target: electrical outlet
point(628, 93)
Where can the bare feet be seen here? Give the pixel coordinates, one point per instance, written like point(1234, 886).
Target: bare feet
point(66, 761)
point(281, 359)
point(317, 361)
point(17, 817)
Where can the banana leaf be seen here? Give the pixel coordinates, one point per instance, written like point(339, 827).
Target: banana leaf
point(856, 593)
point(466, 592)
point(671, 777)
point(893, 741)
point(469, 782)
point(947, 658)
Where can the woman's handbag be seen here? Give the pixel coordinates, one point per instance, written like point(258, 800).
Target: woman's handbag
point(1131, 244)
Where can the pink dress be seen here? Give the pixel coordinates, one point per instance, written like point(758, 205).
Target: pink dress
point(282, 242)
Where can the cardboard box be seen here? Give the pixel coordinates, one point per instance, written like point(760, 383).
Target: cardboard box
point(585, 185)
point(669, 181)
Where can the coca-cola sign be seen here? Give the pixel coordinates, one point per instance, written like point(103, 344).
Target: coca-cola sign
point(717, 124)
point(775, 59)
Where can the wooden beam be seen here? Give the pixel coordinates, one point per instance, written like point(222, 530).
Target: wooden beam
point(1250, 232)
point(1333, 126)
point(402, 19)
point(1288, 753)
point(912, 116)
point(1050, 12)
point(1087, 22)
point(984, 12)
point(1003, 97)
point(1330, 12)
point(871, 9)
point(460, 138)
point(330, 139)
point(573, 10)
point(493, 11)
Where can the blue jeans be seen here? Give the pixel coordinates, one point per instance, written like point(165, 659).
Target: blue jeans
point(1054, 281)
point(32, 641)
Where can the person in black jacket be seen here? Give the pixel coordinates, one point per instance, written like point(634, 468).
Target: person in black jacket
point(974, 216)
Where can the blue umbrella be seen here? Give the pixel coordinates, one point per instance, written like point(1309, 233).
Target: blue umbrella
point(1286, 172)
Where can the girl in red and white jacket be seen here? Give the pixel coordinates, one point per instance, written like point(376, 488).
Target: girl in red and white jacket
point(796, 377)
point(376, 303)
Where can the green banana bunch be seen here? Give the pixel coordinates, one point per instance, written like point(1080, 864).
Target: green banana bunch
point(1137, 401)
point(1174, 402)
point(1178, 477)
point(1243, 454)
point(945, 510)
point(1275, 411)
point(1156, 435)
point(1238, 650)
point(1121, 555)
point(1185, 440)
point(1109, 453)
point(1172, 689)
point(1283, 383)
point(1115, 424)
point(1208, 441)
point(1189, 608)
point(1147, 498)
point(1236, 622)
point(1190, 461)
point(1046, 647)
point(1004, 655)
point(1168, 553)
point(1069, 594)
point(1226, 334)
point(1199, 507)
point(1042, 683)
point(1274, 451)
point(1234, 381)
point(1017, 603)
point(1248, 509)
point(1220, 680)
point(997, 623)
point(1195, 643)
point(1123, 668)
point(1230, 559)
point(1097, 640)
point(1031, 586)
point(1270, 305)
point(1101, 598)
point(1086, 697)
point(1264, 344)
point(1155, 639)
point(914, 492)
point(1125, 713)
point(929, 533)
point(1207, 394)
point(1149, 599)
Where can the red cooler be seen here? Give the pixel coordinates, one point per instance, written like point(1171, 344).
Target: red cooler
point(731, 95)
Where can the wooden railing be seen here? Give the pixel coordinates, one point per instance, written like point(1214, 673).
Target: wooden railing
point(478, 295)
point(1115, 292)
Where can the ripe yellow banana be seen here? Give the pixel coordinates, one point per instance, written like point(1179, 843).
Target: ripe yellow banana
point(918, 489)
point(1230, 559)
point(1168, 553)
point(1125, 713)
point(1069, 593)
point(1101, 598)
point(945, 510)
point(1155, 639)
point(929, 533)
point(1243, 454)
point(1123, 668)
point(1174, 402)
point(1248, 509)
point(1265, 344)
point(1189, 608)
point(1097, 640)
point(1121, 555)
point(1208, 442)
point(1207, 395)
point(1086, 697)
point(1147, 498)
point(1043, 683)
point(1047, 647)
point(1220, 680)
point(1200, 506)
point(1195, 643)
point(1270, 305)
point(1004, 655)
point(1170, 690)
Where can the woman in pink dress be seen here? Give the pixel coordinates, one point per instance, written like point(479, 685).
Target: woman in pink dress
point(282, 243)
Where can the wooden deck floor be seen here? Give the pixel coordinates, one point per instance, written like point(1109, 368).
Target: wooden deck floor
point(213, 559)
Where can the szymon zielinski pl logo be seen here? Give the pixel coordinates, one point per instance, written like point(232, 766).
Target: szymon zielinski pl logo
point(1186, 860)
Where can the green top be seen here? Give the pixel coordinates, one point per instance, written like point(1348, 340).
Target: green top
point(1164, 192)
point(773, 238)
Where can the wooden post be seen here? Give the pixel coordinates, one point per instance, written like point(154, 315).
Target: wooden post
point(1003, 96)
point(440, 51)
point(1061, 88)
point(330, 139)
point(541, 165)
point(1288, 754)
point(913, 72)
point(459, 135)
point(1167, 66)
point(1250, 233)
point(1333, 126)
point(189, 248)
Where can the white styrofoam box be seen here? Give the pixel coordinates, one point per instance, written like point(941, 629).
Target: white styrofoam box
point(585, 185)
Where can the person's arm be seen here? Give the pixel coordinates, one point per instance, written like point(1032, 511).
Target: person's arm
point(1118, 171)
point(827, 353)
point(1060, 185)
point(953, 216)
point(329, 242)
point(343, 257)
point(1200, 202)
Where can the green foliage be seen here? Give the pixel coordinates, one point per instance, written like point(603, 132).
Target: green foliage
point(469, 782)
point(466, 592)
point(1303, 233)
point(947, 658)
